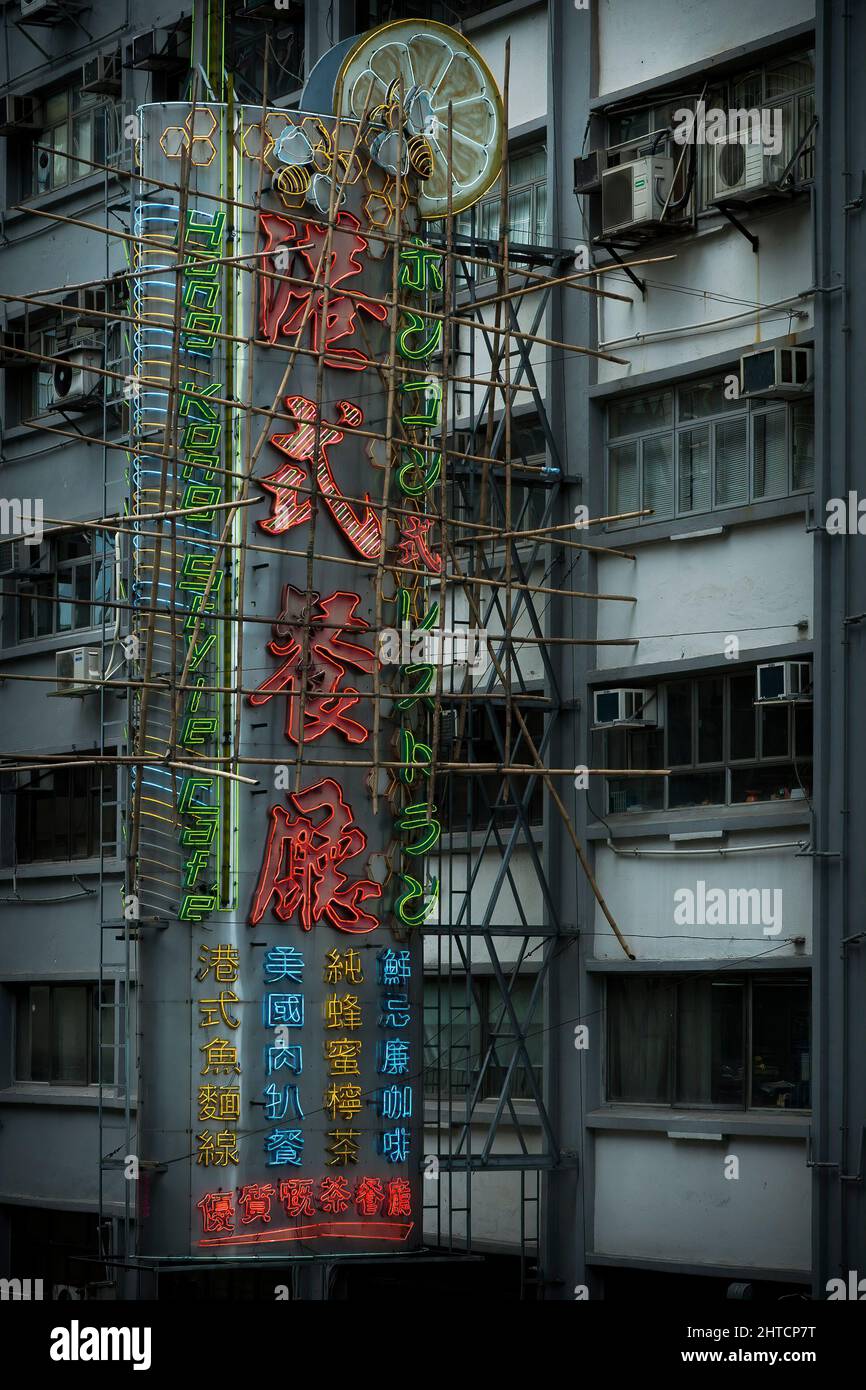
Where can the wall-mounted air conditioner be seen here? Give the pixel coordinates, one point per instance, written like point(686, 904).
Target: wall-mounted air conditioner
point(634, 195)
point(78, 670)
point(47, 11)
point(17, 556)
point(588, 169)
point(785, 372)
point(625, 706)
point(743, 169)
point(75, 384)
point(17, 114)
point(784, 680)
point(102, 74)
point(160, 50)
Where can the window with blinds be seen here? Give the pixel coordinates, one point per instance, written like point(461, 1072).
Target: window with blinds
point(689, 450)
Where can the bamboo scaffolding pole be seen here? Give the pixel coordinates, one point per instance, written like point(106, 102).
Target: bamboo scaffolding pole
point(523, 769)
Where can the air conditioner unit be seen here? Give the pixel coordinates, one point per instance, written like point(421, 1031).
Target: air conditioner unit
point(588, 169)
point(785, 372)
point(46, 11)
point(17, 114)
point(743, 169)
point(784, 681)
point(78, 670)
point(159, 50)
point(624, 706)
point(75, 384)
point(634, 195)
point(102, 74)
point(19, 557)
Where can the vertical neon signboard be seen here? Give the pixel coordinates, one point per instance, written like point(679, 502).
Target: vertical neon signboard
point(282, 1101)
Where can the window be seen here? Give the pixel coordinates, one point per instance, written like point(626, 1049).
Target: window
point(527, 208)
point(689, 450)
point(60, 814)
point(64, 1034)
point(467, 1030)
point(733, 1041)
point(721, 748)
point(72, 132)
point(472, 801)
point(66, 594)
point(528, 499)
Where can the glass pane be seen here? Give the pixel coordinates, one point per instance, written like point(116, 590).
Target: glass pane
point(774, 731)
point(779, 782)
point(679, 721)
point(658, 476)
point(747, 91)
point(631, 126)
point(639, 414)
point(623, 481)
point(65, 582)
point(742, 694)
point(732, 463)
point(699, 399)
point(710, 720)
point(541, 236)
point(771, 461)
point(452, 1038)
point(640, 1036)
point(56, 107)
point(79, 812)
point(520, 216)
point(83, 596)
point(803, 730)
point(710, 1042)
point(40, 1033)
point(82, 145)
point(790, 77)
point(69, 1013)
point(499, 1033)
point(529, 166)
point(694, 471)
point(780, 1045)
point(60, 142)
point(803, 445)
point(696, 789)
point(72, 546)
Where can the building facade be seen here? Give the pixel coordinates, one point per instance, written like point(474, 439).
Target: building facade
point(602, 1116)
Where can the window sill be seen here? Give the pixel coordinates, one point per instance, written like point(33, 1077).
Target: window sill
point(756, 816)
point(623, 538)
point(27, 205)
point(81, 637)
point(660, 1120)
point(72, 1097)
point(62, 868)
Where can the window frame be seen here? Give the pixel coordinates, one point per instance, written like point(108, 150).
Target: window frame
point(485, 997)
point(745, 408)
point(102, 796)
point(727, 765)
point(107, 998)
point(748, 980)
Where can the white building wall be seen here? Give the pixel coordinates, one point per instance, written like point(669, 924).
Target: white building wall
point(668, 1199)
point(639, 41)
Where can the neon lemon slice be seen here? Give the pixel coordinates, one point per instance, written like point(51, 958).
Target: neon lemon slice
point(438, 66)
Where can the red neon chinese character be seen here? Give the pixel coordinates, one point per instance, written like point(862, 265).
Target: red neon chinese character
point(399, 1197)
point(217, 1212)
point(414, 545)
point(286, 307)
point(369, 1196)
point(296, 1195)
point(256, 1202)
point(328, 656)
point(334, 1195)
point(301, 870)
point(292, 508)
